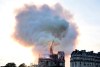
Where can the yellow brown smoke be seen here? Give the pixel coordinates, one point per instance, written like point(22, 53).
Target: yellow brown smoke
point(36, 26)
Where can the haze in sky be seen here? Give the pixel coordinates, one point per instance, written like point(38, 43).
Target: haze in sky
point(86, 15)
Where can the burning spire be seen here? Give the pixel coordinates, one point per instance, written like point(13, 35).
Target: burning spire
point(51, 47)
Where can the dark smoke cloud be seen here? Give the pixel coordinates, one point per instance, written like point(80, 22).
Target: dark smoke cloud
point(36, 26)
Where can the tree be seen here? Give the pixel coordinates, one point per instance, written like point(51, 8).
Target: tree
point(22, 65)
point(10, 65)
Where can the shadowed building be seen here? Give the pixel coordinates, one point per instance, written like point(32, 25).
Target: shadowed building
point(84, 59)
point(53, 60)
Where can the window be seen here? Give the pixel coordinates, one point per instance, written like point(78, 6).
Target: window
point(61, 64)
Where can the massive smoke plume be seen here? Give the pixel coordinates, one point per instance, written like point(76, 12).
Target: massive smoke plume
point(37, 26)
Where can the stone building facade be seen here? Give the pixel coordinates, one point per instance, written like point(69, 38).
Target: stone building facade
point(84, 59)
point(54, 60)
